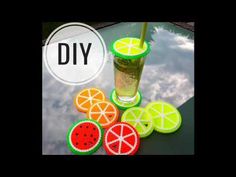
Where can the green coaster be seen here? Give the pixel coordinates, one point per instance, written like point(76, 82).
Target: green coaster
point(166, 118)
point(122, 105)
point(140, 119)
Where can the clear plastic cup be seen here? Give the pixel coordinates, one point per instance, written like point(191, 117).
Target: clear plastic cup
point(128, 67)
point(127, 77)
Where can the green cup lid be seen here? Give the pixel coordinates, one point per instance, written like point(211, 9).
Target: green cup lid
point(128, 48)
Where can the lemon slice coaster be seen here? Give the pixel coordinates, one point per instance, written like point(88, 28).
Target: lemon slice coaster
point(128, 48)
point(123, 105)
point(165, 117)
point(140, 119)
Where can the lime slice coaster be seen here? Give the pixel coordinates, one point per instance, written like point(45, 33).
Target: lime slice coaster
point(123, 105)
point(84, 137)
point(166, 118)
point(140, 119)
point(128, 48)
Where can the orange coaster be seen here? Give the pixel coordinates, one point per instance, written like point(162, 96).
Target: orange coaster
point(104, 112)
point(85, 98)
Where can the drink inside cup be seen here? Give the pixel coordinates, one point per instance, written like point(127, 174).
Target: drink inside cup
point(129, 61)
point(127, 78)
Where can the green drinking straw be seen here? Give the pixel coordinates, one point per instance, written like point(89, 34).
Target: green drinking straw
point(143, 34)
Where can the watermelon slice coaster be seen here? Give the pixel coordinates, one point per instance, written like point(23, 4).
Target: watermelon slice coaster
point(84, 137)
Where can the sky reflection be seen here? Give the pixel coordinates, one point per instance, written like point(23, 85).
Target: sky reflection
point(168, 75)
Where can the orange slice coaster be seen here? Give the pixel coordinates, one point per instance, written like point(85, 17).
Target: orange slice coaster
point(104, 112)
point(87, 97)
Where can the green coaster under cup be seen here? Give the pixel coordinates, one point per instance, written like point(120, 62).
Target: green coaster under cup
point(122, 105)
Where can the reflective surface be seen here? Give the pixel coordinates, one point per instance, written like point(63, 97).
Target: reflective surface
point(168, 74)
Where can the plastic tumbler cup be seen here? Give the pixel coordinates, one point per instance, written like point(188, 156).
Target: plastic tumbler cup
point(128, 61)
